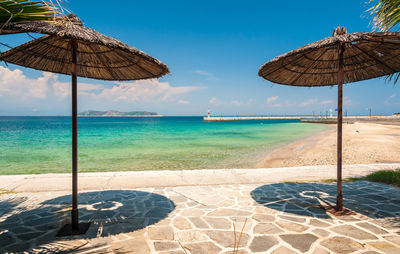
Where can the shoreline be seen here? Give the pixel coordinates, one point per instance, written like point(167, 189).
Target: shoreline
point(363, 143)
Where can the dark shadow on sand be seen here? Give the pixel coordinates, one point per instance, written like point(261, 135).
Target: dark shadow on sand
point(374, 200)
point(110, 212)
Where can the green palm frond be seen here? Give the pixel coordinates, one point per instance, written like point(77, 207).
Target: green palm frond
point(24, 10)
point(386, 14)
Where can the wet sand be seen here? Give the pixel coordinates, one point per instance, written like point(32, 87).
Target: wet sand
point(362, 143)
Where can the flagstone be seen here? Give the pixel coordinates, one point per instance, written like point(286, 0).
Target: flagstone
point(263, 217)
point(6, 239)
point(139, 246)
point(189, 236)
point(349, 230)
point(165, 245)
point(182, 223)
point(262, 243)
point(198, 222)
point(178, 199)
point(147, 223)
point(283, 250)
point(19, 247)
point(218, 223)
point(229, 212)
point(296, 227)
point(227, 238)
point(321, 232)
point(301, 242)
point(193, 212)
point(239, 251)
point(161, 233)
point(242, 224)
point(384, 246)
point(202, 248)
point(319, 223)
point(342, 245)
point(292, 218)
point(393, 238)
point(320, 250)
point(173, 252)
point(374, 229)
point(267, 228)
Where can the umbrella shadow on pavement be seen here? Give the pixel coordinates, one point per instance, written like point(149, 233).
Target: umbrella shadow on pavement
point(8, 205)
point(110, 212)
point(374, 200)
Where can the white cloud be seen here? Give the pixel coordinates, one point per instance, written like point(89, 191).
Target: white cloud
point(183, 102)
point(144, 90)
point(389, 101)
point(14, 84)
point(214, 101)
point(308, 102)
point(236, 103)
point(272, 99)
point(314, 101)
point(272, 102)
point(207, 74)
point(326, 102)
point(241, 103)
point(347, 101)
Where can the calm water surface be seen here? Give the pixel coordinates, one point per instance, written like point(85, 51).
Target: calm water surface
point(43, 144)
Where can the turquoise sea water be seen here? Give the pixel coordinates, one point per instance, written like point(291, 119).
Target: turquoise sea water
point(43, 144)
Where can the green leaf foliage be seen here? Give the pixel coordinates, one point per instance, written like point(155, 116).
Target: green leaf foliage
point(23, 10)
point(386, 14)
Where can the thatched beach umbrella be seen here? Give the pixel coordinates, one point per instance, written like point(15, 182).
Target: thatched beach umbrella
point(71, 48)
point(342, 58)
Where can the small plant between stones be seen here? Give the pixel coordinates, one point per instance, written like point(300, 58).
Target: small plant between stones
point(236, 243)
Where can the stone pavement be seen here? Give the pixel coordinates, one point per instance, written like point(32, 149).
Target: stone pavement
point(167, 178)
point(269, 218)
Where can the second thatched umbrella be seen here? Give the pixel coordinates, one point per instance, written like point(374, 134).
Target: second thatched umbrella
point(73, 49)
point(342, 58)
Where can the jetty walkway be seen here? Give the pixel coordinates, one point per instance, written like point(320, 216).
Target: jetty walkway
point(239, 118)
point(311, 119)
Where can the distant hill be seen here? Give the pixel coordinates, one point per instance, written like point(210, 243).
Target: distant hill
point(118, 113)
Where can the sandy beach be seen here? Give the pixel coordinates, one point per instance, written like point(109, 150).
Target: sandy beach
point(362, 143)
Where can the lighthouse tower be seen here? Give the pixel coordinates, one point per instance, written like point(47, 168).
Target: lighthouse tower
point(208, 113)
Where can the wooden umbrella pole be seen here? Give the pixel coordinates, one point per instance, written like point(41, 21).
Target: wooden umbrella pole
point(339, 197)
point(74, 213)
point(75, 228)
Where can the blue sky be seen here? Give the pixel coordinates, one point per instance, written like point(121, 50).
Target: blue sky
point(213, 49)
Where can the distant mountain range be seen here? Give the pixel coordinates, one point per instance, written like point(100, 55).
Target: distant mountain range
point(118, 113)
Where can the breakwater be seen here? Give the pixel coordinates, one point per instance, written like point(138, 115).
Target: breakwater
point(352, 119)
point(240, 118)
point(311, 119)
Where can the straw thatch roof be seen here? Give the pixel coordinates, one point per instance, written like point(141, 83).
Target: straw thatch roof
point(366, 55)
point(99, 56)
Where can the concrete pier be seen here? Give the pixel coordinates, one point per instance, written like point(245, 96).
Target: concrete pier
point(311, 119)
point(352, 119)
point(239, 118)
